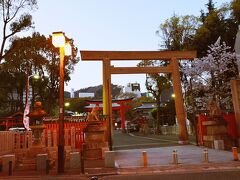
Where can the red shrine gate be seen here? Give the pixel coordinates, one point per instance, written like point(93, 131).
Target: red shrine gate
point(122, 107)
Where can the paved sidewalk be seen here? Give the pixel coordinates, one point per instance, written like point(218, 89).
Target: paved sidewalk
point(190, 159)
point(187, 155)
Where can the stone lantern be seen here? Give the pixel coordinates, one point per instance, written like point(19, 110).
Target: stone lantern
point(36, 123)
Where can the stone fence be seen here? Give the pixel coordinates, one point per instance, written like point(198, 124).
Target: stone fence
point(11, 141)
point(172, 130)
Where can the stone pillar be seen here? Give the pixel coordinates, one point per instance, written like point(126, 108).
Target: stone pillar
point(29, 139)
point(73, 137)
point(66, 137)
point(54, 139)
point(44, 138)
point(74, 160)
point(41, 162)
point(18, 145)
point(49, 138)
point(110, 159)
point(5, 163)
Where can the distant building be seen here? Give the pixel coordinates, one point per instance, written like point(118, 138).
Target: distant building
point(133, 88)
point(84, 95)
point(72, 93)
point(67, 94)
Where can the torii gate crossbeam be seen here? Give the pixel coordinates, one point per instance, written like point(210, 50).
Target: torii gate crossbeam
point(173, 56)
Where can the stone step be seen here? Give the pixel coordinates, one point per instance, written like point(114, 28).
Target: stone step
point(28, 161)
point(24, 167)
point(96, 163)
point(93, 154)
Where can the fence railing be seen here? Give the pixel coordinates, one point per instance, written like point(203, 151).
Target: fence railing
point(73, 134)
point(11, 141)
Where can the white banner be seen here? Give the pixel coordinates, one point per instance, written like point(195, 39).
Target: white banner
point(25, 117)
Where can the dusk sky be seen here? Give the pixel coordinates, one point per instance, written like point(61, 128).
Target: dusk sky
point(110, 25)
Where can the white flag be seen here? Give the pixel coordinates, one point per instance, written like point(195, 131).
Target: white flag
point(26, 118)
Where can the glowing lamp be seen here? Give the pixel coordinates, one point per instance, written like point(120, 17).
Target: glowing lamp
point(68, 49)
point(58, 39)
point(67, 104)
point(36, 76)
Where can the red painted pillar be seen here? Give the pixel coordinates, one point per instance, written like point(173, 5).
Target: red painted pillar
point(122, 116)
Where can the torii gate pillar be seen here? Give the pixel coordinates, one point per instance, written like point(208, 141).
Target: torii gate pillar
point(179, 105)
point(107, 99)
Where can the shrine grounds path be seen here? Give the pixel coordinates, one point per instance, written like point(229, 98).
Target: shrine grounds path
point(134, 140)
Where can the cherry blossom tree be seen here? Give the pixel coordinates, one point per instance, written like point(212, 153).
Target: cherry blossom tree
point(209, 77)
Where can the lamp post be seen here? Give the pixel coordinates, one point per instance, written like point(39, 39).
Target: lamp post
point(26, 110)
point(35, 76)
point(59, 41)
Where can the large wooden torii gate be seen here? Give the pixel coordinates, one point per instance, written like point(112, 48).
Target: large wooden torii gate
point(173, 56)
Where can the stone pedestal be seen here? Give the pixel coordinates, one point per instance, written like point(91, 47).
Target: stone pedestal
point(41, 162)
point(110, 159)
point(216, 132)
point(37, 131)
point(74, 160)
point(5, 163)
point(94, 140)
point(218, 144)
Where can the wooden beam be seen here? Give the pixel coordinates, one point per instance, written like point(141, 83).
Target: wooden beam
point(140, 70)
point(136, 55)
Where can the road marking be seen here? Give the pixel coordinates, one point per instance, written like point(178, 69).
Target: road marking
point(132, 145)
point(130, 134)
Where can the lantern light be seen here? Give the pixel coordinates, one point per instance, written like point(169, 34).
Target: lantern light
point(58, 39)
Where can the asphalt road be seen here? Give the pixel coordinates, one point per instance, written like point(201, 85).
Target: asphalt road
point(218, 175)
point(205, 175)
point(128, 141)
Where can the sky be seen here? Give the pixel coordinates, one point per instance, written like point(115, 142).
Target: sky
point(120, 25)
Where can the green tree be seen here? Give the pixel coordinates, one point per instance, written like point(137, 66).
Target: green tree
point(177, 32)
point(36, 55)
point(15, 18)
point(213, 26)
point(76, 104)
point(167, 113)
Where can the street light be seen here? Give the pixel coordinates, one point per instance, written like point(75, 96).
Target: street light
point(67, 104)
point(27, 108)
point(59, 41)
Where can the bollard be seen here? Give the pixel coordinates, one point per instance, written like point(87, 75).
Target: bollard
point(235, 153)
point(82, 160)
point(175, 156)
point(205, 155)
point(144, 157)
point(47, 166)
point(10, 168)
